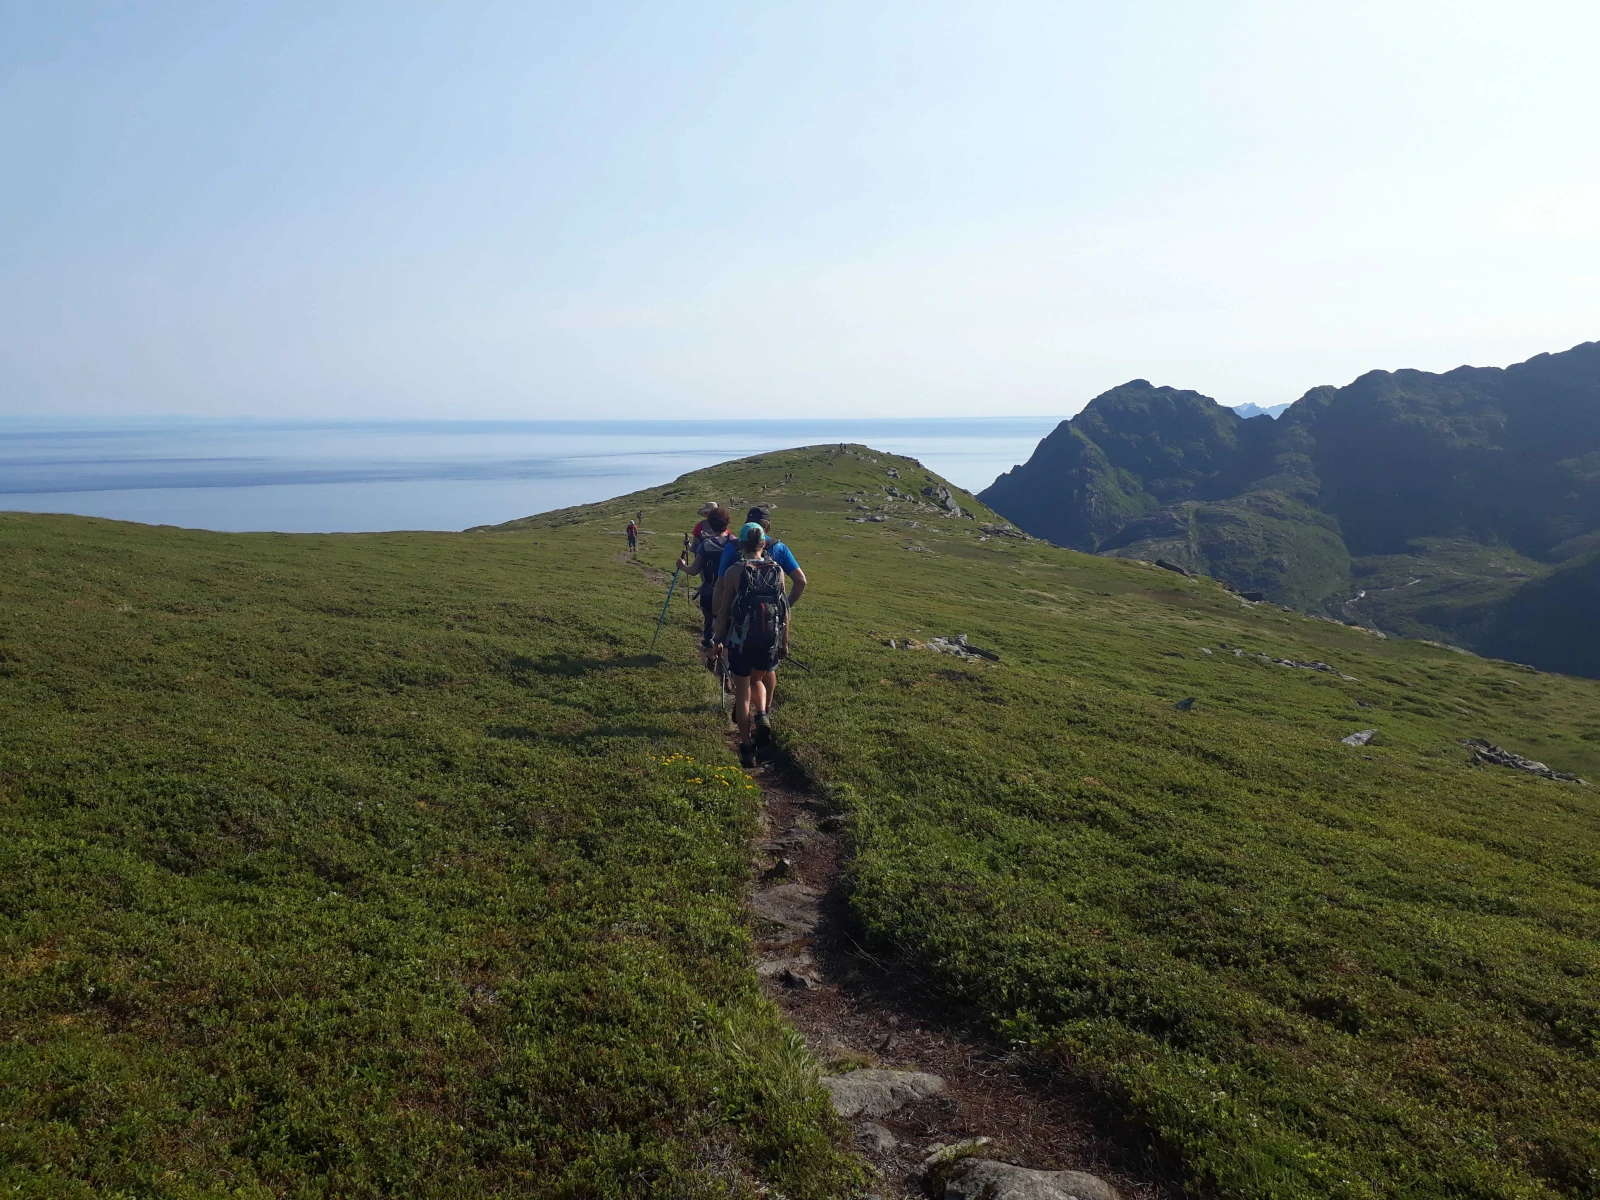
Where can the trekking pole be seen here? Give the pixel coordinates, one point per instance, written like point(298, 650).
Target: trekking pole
point(670, 590)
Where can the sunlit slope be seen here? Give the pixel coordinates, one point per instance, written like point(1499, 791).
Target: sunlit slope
point(363, 866)
point(373, 866)
point(1312, 969)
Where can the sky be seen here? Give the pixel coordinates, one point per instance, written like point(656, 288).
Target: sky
point(781, 209)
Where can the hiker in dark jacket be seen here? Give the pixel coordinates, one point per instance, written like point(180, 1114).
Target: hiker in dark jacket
point(706, 552)
point(752, 627)
point(778, 553)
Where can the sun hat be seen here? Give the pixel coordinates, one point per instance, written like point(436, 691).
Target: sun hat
point(706, 508)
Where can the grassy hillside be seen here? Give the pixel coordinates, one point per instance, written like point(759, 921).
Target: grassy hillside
point(1308, 969)
point(372, 866)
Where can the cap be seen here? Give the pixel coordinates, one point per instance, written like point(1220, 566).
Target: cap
point(759, 513)
point(752, 534)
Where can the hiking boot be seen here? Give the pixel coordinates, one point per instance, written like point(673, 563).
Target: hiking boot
point(747, 755)
point(763, 730)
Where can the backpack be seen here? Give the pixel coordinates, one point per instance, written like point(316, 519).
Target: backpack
point(760, 611)
point(710, 547)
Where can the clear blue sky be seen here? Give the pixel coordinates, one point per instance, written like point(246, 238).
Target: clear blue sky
point(801, 209)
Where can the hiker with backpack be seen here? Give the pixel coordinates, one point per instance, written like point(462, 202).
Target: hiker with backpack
point(752, 627)
point(633, 536)
point(778, 553)
point(710, 539)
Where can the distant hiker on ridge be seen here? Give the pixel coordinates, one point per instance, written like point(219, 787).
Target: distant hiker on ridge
point(752, 626)
point(708, 542)
point(633, 536)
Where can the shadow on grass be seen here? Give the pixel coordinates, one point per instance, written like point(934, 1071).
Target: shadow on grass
point(572, 665)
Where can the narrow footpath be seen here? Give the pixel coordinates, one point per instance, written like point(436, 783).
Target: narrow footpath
point(919, 1091)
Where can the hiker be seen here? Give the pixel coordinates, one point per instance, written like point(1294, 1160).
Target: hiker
point(705, 511)
point(777, 551)
point(752, 627)
point(707, 545)
point(633, 536)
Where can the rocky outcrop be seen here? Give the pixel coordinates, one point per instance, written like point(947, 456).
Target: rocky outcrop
point(1487, 754)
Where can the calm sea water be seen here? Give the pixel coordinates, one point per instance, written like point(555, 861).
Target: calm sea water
point(361, 476)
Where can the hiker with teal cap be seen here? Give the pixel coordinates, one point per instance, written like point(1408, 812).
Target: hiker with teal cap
point(752, 628)
point(776, 551)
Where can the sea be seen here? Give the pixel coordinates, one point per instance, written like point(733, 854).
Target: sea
point(365, 476)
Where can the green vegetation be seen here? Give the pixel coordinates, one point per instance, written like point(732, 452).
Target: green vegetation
point(1306, 969)
point(1423, 502)
point(1310, 969)
point(372, 866)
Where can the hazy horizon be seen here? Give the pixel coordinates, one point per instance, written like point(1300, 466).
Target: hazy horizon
point(627, 211)
point(353, 475)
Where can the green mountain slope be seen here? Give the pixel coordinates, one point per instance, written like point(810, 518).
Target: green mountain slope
point(371, 866)
point(1303, 968)
point(1400, 475)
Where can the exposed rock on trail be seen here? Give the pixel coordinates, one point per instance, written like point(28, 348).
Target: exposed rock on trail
point(908, 1081)
point(1361, 737)
point(986, 1179)
point(789, 906)
point(877, 1093)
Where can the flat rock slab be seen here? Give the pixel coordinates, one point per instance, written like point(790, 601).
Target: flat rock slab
point(790, 906)
point(877, 1093)
point(985, 1179)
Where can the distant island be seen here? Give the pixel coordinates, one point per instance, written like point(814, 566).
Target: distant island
point(1462, 507)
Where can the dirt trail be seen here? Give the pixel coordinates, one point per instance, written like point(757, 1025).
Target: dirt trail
point(855, 1011)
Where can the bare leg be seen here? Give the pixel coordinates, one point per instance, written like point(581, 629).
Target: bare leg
point(741, 706)
point(762, 684)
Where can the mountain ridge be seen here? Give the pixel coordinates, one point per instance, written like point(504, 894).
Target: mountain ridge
point(1479, 481)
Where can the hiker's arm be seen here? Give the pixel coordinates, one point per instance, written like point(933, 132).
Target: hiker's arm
point(692, 568)
point(797, 584)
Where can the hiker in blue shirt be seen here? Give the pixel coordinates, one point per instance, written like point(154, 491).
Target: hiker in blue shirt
point(779, 553)
point(776, 551)
point(752, 629)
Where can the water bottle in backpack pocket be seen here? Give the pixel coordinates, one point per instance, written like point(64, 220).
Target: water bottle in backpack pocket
point(760, 611)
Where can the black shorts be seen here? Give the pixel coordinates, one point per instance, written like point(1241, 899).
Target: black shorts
point(744, 659)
